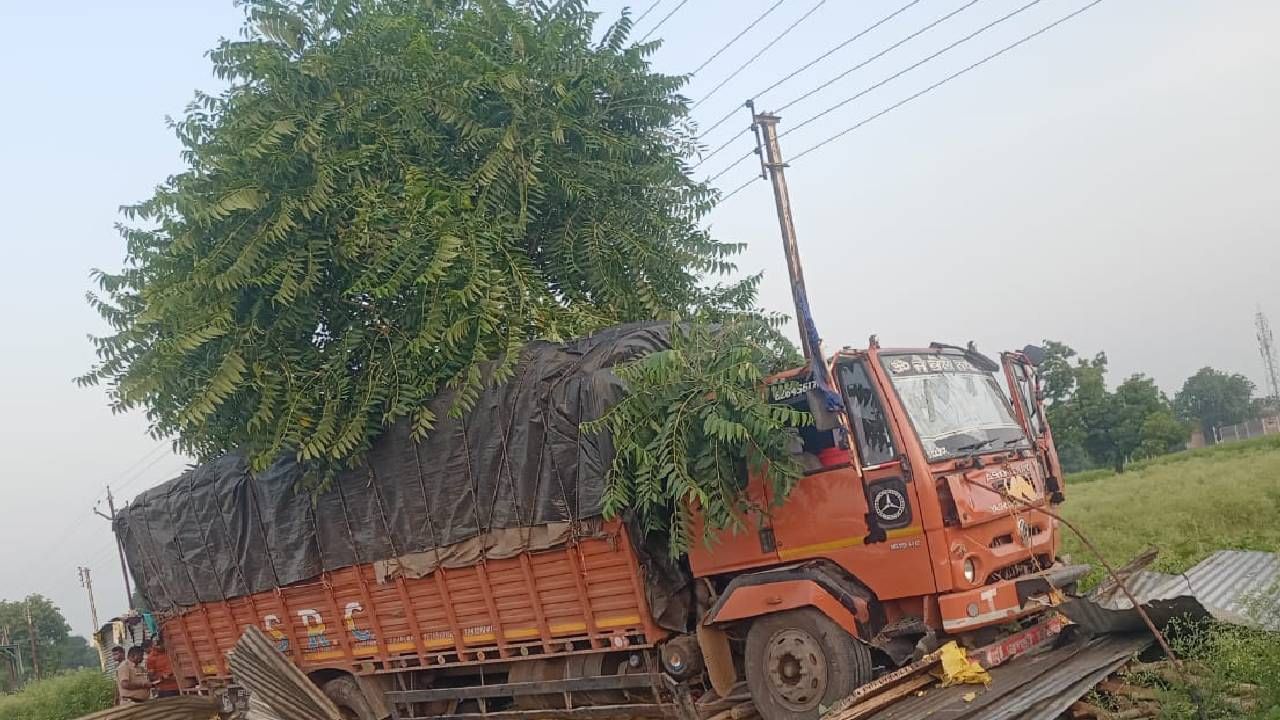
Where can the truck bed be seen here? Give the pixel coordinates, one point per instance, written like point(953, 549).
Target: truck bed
point(585, 596)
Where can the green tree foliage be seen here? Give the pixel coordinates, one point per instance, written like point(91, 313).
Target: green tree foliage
point(1213, 398)
point(715, 425)
point(1135, 402)
point(51, 630)
point(76, 652)
point(1097, 427)
point(1057, 372)
point(64, 697)
point(1161, 433)
point(389, 193)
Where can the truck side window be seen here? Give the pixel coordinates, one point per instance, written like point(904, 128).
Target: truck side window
point(1027, 397)
point(875, 443)
point(816, 448)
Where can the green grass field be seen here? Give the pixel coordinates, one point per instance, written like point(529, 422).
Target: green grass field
point(1189, 505)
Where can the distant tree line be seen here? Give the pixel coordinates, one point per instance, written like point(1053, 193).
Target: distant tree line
point(57, 649)
point(1094, 426)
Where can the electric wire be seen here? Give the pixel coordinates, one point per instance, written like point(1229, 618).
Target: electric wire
point(737, 37)
point(664, 19)
point(883, 52)
point(909, 68)
point(945, 80)
point(740, 188)
point(723, 145)
point(815, 61)
point(913, 96)
point(646, 12)
point(731, 165)
point(762, 51)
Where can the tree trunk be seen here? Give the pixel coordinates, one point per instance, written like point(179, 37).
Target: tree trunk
point(1206, 429)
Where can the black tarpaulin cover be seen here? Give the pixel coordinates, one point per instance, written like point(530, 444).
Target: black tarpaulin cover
point(514, 473)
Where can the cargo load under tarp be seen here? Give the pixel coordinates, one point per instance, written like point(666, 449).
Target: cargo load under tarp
point(514, 474)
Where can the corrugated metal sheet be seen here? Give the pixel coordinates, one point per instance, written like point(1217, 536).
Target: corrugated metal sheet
point(1235, 586)
point(277, 688)
point(1032, 687)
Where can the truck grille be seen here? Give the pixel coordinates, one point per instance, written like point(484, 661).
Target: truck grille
point(1018, 569)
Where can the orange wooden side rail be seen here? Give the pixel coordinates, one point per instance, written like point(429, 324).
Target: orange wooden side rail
point(585, 596)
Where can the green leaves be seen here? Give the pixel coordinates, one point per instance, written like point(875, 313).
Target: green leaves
point(390, 193)
point(694, 422)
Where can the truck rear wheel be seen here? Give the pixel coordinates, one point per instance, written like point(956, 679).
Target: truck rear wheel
point(345, 692)
point(799, 661)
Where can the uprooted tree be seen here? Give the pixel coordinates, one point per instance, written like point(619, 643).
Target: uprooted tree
point(389, 193)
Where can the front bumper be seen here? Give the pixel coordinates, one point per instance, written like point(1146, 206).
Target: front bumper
point(1007, 600)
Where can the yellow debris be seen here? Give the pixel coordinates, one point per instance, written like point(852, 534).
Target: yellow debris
point(958, 669)
point(970, 696)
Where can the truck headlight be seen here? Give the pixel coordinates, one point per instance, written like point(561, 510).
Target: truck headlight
point(970, 570)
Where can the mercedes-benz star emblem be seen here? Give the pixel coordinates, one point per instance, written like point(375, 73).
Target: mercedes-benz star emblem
point(889, 504)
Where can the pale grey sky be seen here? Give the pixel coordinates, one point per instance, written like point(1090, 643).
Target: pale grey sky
point(1110, 184)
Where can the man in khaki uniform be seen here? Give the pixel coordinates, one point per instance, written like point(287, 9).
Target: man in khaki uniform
point(132, 680)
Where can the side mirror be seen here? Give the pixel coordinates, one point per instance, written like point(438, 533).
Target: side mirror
point(1035, 354)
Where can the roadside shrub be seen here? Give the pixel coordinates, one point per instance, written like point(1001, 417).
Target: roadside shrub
point(62, 697)
point(1235, 671)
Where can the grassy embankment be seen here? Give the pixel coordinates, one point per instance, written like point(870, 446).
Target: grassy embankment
point(65, 696)
point(1189, 505)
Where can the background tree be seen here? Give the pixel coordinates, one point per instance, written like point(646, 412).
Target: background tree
point(1057, 372)
point(53, 642)
point(1213, 398)
point(1097, 427)
point(390, 193)
point(1135, 402)
point(1162, 433)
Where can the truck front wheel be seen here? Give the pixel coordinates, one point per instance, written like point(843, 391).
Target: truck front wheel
point(799, 662)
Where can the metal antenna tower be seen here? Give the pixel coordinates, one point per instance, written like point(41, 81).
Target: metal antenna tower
point(1266, 346)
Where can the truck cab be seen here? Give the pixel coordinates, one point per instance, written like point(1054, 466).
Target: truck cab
point(920, 516)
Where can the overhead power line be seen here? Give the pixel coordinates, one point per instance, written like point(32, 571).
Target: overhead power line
point(946, 79)
point(646, 12)
point(909, 68)
point(845, 43)
point(664, 19)
point(737, 37)
point(884, 52)
point(722, 146)
point(870, 118)
point(762, 51)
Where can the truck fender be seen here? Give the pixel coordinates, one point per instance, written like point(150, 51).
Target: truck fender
point(753, 601)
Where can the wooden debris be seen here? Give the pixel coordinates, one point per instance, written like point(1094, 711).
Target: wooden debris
point(1123, 689)
point(1084, 710)
point(876, 703)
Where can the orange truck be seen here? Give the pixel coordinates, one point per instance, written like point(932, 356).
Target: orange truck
point(919, 519)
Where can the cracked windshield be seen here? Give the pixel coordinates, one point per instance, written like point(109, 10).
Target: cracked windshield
point(955, 407)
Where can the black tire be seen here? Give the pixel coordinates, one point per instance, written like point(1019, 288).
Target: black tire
point(799, 662)
point(345, 692)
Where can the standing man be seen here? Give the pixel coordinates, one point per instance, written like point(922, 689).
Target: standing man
point(118, 660)
point(160, 670)
point(131, 679)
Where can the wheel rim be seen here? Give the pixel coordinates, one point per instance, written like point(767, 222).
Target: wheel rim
point(797, 669)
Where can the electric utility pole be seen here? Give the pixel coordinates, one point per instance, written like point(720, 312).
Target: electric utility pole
point(124, 568)
point(31, 635)
point(86, 582)
point(771, 159)
point(1266, 347)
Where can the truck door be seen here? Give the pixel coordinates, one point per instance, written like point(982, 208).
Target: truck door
point(1024, 391)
